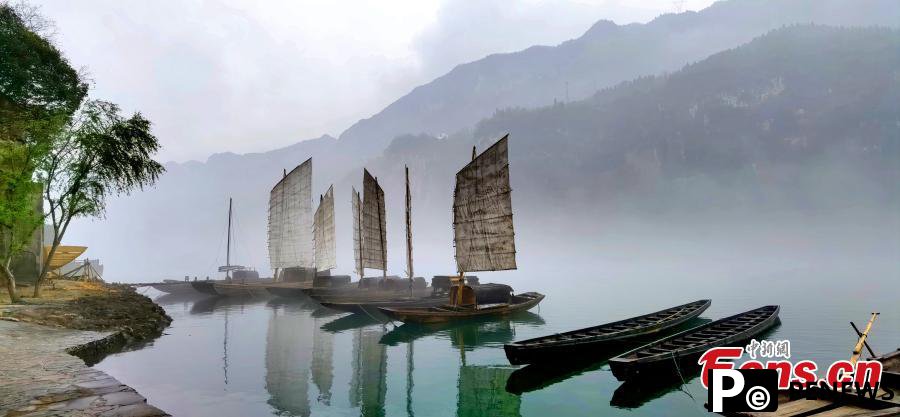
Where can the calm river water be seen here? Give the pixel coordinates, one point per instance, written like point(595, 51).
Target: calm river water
point(247, 357)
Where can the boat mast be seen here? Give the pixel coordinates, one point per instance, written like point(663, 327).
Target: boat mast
point(381, 233)
point(228, 246)
point(409, 258)
point(362, 269)
point(462, 274)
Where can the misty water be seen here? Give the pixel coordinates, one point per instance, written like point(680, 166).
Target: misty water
point(246, 356)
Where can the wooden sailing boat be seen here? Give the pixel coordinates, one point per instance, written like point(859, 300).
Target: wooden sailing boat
point(413, 295)
point(234, 274)
point(484, 241)
point(324, 243)
point(290, 225)
point(292, 253)
point(373, 250)
point(369, 251)
point(301, 248)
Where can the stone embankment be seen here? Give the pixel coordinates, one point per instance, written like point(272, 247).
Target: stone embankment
point(47, 347)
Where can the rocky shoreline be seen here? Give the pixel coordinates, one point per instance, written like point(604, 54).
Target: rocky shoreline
point(49, 347)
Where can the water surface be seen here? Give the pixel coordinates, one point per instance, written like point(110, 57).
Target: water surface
point(241, 357)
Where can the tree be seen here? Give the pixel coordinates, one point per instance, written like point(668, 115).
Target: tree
point(39, 91)
point(98, 154)
point(18, 215)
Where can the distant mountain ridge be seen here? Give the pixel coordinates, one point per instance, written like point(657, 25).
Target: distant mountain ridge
point(604, 56)
point(749, 125)
point(614, 148)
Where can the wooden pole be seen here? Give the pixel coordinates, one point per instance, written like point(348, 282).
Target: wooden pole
point(866, 343)
point(380, 201)
point(228, 247)
point(409, 249)
point(857, 350)
point(362, 269)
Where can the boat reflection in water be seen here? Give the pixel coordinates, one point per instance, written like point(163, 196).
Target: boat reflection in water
point(481, 392)
point(349, 322)
point(467, 334)
point(368, 383)
point(288, 358)
point(297, 352)
point(210, 305)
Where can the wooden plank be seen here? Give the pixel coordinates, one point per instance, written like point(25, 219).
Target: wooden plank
point(794, 408)
point(853, 411)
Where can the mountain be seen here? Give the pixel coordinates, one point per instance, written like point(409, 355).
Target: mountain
point(604, 56)
point(804, 116)
point(569, 158)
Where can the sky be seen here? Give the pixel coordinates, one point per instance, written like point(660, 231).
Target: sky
point(250, 76)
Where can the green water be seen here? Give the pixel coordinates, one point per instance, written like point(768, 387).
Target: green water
point(241, 357)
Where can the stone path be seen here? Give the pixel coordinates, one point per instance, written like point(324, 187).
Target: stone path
point(38, 378)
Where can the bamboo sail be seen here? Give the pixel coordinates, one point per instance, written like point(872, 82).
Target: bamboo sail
point(482, 213)
point(323, 232)
point(290, 219)
point(374, 236)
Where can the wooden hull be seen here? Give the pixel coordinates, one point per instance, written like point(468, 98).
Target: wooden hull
point(445, 313)
point(175, 287)
point(368, 306)
point(221, 288)
point(601, 340)
point(655, 360)
point(828, 404)
point(241, 290)
point(890, 375)
point(205, 287)
point(287, 289)
point(353, 294)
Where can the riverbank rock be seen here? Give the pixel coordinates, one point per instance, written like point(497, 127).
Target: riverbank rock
point(133, 318)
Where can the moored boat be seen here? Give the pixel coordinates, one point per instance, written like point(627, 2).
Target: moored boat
point(286, 289)
point(891, 368)
point(484, 240)
point(598, 339)
point(239, 280)
point(207, 287)
point(449, 312)
point(171, 286)
point(666, 356)
point(369, 305)
point(235, 289)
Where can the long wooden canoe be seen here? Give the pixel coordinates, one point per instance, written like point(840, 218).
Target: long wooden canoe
point(666, 356)
point(599, 339)
point(890, 363)
point(443, 313)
